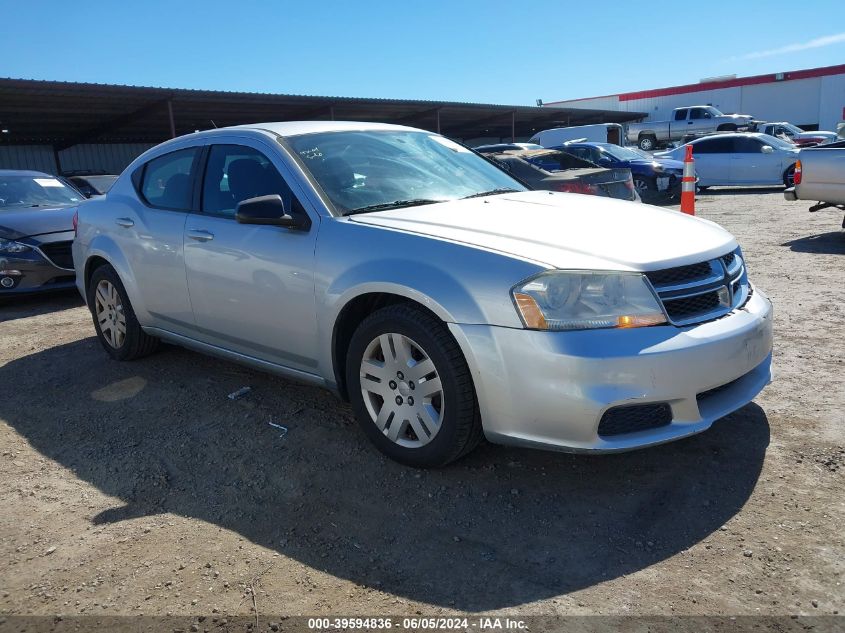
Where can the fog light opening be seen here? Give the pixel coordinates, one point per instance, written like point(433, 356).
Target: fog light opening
point(7, 282)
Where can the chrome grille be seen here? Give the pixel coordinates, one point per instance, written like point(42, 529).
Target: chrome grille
point(703, 291)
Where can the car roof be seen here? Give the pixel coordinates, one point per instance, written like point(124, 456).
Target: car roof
point(295, 128)
point(25, 172)
point(728, 135)
point(530, 153)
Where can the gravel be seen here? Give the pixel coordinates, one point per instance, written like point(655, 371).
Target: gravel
point(142, 478)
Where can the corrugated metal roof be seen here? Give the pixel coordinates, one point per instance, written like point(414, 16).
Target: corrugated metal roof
point(66, 113)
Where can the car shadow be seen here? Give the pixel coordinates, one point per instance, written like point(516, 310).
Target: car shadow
point(23, 306)
point(500, 528)
point(832, 243)
point(738, 191)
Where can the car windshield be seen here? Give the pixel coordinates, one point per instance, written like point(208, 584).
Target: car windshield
point(101, 183)
point(35, 191)
point(714, 111)
point(774, 141)
point(792, 128)
point(364, 171)
point(622, 153)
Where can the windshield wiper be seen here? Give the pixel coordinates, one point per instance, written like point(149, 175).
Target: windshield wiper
point(492, 192)
point(396, 204)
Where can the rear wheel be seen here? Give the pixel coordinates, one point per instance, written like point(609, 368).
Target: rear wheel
point(647, 143)
point(411, 389)
point(114, 319)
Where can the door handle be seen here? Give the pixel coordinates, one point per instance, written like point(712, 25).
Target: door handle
point(124, 222)
point(200, 236)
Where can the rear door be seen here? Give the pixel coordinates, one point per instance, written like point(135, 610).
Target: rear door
point(251, 287)
point(149, 228)
point(713, 160)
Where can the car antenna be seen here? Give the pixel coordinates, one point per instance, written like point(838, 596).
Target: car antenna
point(213, 123)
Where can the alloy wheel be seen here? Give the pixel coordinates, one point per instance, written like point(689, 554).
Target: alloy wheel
point(402, 390)
point(109, 313)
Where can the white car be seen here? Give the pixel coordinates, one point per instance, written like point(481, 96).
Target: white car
point(740, 159)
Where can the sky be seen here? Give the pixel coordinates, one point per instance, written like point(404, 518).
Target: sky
point(510, 52)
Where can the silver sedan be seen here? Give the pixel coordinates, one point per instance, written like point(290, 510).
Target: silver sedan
point(427, 287)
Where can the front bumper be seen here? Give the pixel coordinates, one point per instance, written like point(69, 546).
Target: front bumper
point(32, 272)
point(551, 389)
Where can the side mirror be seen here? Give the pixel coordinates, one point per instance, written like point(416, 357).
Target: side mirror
point(767, 149)
point(604, 160)
point(266, 210)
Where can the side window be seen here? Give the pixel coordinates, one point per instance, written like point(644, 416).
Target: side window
point(681, 115)
point(696, 113)
point(235, 173)
point(747, 145)
point(167, 181)
point(714, 146)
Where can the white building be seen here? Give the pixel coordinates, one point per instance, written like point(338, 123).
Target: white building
point(813, 99)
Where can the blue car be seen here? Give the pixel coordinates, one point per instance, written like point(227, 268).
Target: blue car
point(654, 178)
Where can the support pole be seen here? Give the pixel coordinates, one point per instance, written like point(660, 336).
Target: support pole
point(438, 120)
point(172, 121)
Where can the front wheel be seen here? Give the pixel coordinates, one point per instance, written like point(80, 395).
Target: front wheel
point(114, 319)
point(411, 389)
point(646, 187)
point(789, 177)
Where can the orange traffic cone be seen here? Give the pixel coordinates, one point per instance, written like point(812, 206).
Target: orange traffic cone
point(688, 184)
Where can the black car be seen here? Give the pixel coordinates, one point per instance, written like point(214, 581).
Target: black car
point(555, 170)
point(93, 184)
point(36, 232)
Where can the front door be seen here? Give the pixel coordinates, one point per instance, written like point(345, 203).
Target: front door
point(751, 166)
point(251, 287)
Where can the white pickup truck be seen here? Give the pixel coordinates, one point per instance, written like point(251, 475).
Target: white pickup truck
point(689, 121)
point(820, 176)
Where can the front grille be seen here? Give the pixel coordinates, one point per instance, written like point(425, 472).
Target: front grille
point(634, 417)
point(679, 275)
point(702, 291)
point(59, 253)
point(679, 309)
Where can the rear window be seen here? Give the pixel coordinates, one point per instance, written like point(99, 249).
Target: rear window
point(167, 182)
point(681, 115)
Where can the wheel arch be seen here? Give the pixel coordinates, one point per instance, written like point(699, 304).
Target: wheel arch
point(357, 308)
point(103, 251)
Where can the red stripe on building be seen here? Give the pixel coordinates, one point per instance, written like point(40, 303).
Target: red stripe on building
point(724, 83)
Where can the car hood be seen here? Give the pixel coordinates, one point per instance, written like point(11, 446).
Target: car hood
point(745, 117)
point(818, 134)
point(666, 163)
point(30, 222)
point(564, 230)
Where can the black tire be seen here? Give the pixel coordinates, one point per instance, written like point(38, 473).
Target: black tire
point(646, 187)
point(136, 343)
point(460, 430)
point(647, 142)
point(789, 176)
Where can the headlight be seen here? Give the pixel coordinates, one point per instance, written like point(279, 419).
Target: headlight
point(9, 247)
point(559, 300)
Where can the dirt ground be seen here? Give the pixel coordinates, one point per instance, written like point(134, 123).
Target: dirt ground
point(139, 488)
